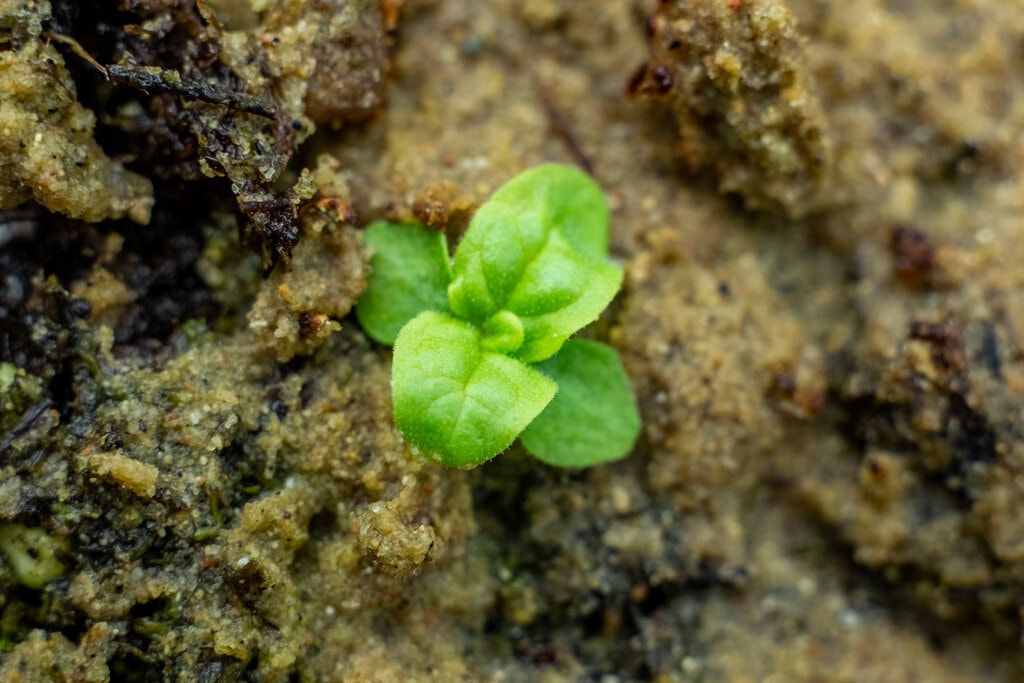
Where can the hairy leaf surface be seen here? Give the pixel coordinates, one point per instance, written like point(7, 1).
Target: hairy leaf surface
point(456, 402)
point(538, 249)
point(410, 274)
point(593, 418)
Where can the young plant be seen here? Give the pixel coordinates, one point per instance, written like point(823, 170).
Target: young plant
point(482, 343)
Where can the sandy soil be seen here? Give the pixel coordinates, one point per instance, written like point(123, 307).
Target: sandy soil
point(820, 208)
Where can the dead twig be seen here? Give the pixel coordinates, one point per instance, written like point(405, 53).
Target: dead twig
point(153, 81)
point(26, 422)
point(77, 49)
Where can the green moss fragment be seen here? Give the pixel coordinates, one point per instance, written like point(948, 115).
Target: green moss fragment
point(31, 554)
point(10, 618)
point(7, 374)
point(197, 332)
point(18, 392)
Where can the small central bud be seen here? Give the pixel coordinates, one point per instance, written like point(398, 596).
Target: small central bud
point(503, 332)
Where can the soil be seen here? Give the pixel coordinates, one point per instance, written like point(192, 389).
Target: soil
point(820, 208)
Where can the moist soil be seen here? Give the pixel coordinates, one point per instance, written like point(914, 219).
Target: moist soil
point(819, 205)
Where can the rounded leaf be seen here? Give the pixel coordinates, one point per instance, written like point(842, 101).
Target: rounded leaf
point(459, 404)
point(538, 249)
point(568, 200)
point(559, 293)
point(503, 332)
point(593, 418)
point(410, 272)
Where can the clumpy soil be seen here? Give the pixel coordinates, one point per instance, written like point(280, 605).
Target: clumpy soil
point(820, 208)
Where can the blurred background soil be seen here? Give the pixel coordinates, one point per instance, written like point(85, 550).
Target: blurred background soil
point(820, 208)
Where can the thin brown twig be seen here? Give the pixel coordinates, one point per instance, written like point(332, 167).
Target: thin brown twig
point(78, 50)
point(561, 128)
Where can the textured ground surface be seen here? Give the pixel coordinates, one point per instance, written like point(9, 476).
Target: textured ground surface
point(820, 207)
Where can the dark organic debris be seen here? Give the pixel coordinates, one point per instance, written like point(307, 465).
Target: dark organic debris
point(190, 105)
point(913, 254)
point(271, 221)
point(24, 424)
point(152, 81)
point(650, 80)
point(947, 343)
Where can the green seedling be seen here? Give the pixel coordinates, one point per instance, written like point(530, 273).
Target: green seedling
point(482, 348)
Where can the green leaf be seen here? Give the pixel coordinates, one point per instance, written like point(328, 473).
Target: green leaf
point(456, 402)
point(558, 294)
point(503, 332)
point(410, 274)
point(532, 251)
point(568, 199)
point(593, 418)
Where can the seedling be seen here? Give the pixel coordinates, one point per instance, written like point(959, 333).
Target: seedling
point(482, 342)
